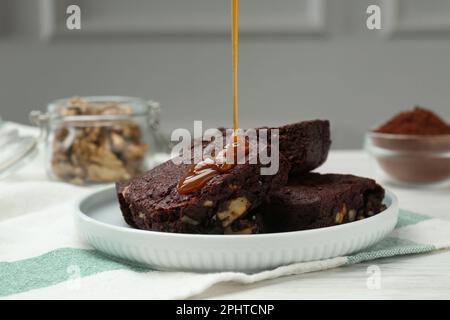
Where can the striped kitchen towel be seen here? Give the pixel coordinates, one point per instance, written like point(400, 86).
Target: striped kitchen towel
point(42, 258)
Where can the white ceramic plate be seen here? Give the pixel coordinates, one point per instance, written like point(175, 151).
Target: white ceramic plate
point(100, 222)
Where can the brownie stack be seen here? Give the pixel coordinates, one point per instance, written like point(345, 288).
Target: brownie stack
point(241, 201)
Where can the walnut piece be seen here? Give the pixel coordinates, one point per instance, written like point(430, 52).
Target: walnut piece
point(234, 209)
point(208, 204)
point(351, 215)
point(189, 220)
point(341, 214)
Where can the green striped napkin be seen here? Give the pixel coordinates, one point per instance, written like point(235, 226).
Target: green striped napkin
point(41, 257)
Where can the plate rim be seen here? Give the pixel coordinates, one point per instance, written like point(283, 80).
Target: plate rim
point(393, 208)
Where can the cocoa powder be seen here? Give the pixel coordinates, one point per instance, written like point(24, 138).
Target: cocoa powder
point(417, 146)
point(418, 121)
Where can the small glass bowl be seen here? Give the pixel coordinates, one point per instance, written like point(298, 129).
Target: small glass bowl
point(411, 160)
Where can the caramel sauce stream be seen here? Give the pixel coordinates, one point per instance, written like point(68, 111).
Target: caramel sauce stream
point(235, 55)
point(199, 174)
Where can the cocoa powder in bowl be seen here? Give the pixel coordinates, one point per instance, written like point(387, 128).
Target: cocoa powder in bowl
point(419, 121)
point(413, 147)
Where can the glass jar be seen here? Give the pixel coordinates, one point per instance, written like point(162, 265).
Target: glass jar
point(100, 139)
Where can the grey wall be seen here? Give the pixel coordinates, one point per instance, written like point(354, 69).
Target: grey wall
point(325, 65)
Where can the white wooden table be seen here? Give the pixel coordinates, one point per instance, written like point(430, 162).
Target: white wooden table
point(409, 277)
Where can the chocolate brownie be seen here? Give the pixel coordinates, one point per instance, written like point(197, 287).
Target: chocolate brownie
point(305, 144)
point(152, 201)
point(316, 200)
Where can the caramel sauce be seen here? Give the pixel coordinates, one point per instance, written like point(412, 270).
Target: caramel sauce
point(199, 174)
point(235, 52)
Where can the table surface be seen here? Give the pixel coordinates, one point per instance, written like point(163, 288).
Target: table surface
point(409, 277)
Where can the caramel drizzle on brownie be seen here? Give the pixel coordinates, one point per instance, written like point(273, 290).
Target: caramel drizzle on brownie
point(199, 174)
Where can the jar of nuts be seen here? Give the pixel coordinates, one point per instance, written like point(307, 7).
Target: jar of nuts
point(99, 139)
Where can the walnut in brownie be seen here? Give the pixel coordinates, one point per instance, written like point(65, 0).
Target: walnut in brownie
point(316, 200)
point(152, 202)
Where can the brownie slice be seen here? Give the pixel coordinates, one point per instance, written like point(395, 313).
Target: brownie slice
point(316, 200)
point(152, 202)
point(305, 144)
